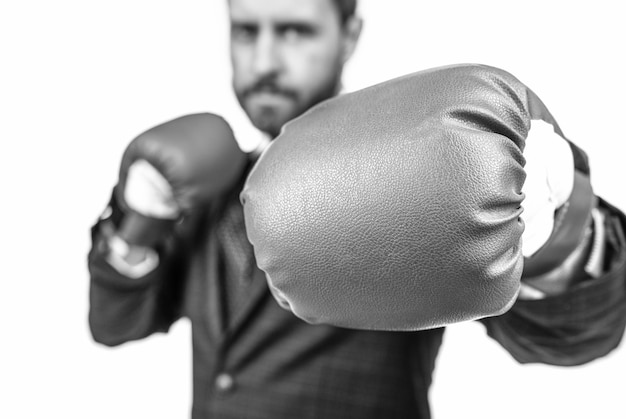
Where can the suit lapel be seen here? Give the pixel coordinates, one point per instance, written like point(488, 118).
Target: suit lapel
point(257, 290)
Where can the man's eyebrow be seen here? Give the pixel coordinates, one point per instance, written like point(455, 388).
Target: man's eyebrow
point(300, 23)
point(286, 22)
point(243, 22)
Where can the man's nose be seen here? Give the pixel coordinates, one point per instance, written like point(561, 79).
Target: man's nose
point(267, 56)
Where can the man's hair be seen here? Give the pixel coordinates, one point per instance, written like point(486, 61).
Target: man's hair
point(346, 8)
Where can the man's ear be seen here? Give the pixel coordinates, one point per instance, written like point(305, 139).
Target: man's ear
point(351, 33)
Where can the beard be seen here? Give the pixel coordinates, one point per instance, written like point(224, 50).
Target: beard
point(285, 104)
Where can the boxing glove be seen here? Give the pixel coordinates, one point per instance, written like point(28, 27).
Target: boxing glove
point(169, 171)
point(398, 207)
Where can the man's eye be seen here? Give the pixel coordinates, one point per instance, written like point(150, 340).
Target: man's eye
point(294, 33)
point(243, 33)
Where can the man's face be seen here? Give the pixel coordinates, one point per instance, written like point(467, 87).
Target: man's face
point(287, 56)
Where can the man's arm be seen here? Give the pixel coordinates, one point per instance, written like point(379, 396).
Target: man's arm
point(169, 177)
point(572, 308)
point(134, 292)
point(584, 321)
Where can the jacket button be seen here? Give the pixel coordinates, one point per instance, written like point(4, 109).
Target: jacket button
point(224, 383)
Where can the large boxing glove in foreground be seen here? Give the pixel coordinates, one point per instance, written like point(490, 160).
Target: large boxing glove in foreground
point(397, 207)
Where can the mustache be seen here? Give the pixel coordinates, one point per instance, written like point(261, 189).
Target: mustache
point(269, 86)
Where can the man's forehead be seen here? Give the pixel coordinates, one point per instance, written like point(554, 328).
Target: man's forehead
point(280, 10)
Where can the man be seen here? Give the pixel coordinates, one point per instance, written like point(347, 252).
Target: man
point(287, 59)
point(251, 358)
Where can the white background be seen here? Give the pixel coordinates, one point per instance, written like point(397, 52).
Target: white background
point(79, 79)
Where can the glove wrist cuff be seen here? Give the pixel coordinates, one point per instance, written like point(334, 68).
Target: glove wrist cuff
point(138, 229)
point(571, 222)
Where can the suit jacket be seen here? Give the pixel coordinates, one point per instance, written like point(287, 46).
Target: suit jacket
point(252, 359)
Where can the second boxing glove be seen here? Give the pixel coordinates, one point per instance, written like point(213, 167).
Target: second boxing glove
point(195, 158)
